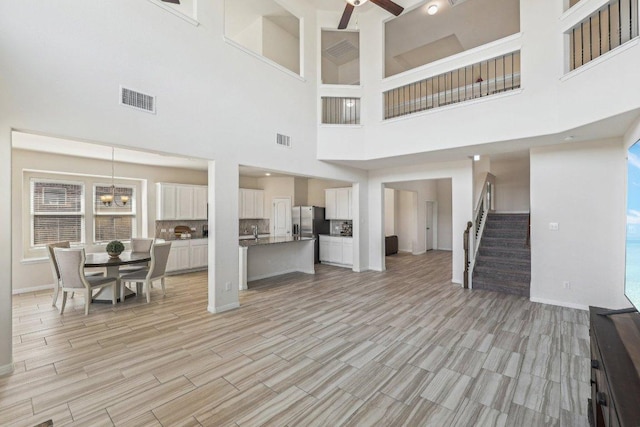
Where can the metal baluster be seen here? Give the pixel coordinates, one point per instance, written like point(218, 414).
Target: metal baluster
point(609, 15)
point(590, 40)
point(619, 23)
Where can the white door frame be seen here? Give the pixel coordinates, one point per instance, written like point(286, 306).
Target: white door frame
point(434, 226)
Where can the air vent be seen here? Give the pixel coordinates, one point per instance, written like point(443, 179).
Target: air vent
point(137, 100)
point(456, 2)
point(283, 140)
point(340, 49)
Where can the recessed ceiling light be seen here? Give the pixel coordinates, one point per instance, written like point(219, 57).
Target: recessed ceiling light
point(476, 157)
point(267, 174)
point(433, 9)
point(569, 138)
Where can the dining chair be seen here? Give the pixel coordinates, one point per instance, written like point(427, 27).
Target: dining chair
point(55, 271)
point(72, 277)
point(138, 245)
point(155, 271)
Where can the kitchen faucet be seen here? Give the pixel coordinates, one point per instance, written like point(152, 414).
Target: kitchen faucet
point(255, 231)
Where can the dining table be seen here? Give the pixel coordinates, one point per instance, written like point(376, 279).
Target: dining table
point(112, 267)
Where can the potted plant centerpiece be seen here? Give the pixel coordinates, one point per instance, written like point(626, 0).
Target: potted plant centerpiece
point(115, 248)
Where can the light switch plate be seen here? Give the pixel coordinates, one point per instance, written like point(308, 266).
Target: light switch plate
point(553, 226)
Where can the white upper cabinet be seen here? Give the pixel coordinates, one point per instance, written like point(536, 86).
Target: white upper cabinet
point(250, 204)
point(181, 201)
point(338, 203)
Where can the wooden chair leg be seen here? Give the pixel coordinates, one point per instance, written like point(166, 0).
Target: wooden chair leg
point(56, 289)
point(64, 301)
point(162, 283)
point(87, 301)
point(114, 300)
point(148, 286)
point(122, 288)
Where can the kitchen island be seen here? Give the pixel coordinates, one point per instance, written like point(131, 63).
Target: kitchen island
point(273, 256)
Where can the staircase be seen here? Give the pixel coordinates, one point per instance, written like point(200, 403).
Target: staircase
point(503, 263)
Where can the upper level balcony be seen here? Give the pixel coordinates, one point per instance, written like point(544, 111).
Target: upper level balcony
point(563, 70)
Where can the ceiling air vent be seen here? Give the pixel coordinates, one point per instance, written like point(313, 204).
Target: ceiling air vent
point(340, 49)
point(137, 100)
point(456, 2)
point(283, 140)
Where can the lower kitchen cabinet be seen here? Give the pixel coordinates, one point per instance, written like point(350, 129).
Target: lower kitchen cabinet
point(336, 250)
point(188, 255)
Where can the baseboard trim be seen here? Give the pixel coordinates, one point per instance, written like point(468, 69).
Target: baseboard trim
point(279, 273)
point(559, 303)
point(6, 369)
point(32, 289)
point(216, 310)
point(420, 253)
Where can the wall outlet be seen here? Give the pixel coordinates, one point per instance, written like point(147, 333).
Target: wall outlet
point(566, 284)
point(227, 286)
point(553, 226)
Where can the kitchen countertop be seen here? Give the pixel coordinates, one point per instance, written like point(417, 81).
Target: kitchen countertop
point(273, 240)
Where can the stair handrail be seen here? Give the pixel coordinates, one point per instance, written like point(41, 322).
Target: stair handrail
point(483, 207)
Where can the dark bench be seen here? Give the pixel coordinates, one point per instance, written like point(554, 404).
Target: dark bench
point(391, 245)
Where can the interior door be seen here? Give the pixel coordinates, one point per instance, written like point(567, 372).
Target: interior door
point(281, 216)
point(430, 206)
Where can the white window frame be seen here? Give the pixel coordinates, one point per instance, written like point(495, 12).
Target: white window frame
point(32, 213)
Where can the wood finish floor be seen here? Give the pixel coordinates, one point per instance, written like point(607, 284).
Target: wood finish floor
point(402, 347)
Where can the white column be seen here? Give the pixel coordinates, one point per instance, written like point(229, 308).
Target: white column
point(6, 347)
point(223, 236)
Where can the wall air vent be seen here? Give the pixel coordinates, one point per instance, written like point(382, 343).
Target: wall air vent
point(137, 100)
point(283, 140)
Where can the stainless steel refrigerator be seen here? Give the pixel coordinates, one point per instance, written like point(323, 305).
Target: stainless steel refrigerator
point(308, 221)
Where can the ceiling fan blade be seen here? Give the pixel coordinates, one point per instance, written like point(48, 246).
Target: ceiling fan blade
point(389, 6)
point(172, 1)
point(346, 15)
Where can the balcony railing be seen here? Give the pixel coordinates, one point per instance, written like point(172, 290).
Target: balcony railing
point(609, 27)
point(496, 75)
point(340, 111)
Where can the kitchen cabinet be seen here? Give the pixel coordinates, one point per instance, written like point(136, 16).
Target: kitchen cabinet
point(188, 254)
point(336, 250)
point(338, 203)
point(178, 256)
point(198, 253)
point(250, 204)
point(181, 201)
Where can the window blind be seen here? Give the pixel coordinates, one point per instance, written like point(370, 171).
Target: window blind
point(57, 211)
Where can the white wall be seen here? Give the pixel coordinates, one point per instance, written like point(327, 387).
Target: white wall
point(280, 46)
point(389, 212)
point(407, 221)
point(445, 214)
point(579, 186)
point(512, 184)
point(37, 274)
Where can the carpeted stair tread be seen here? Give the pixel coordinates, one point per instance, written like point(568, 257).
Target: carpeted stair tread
point(504, 287)
point(504, 263)
point(497, 242)
point(511, 253)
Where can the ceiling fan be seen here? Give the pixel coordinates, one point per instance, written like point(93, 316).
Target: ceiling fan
point(387, 5)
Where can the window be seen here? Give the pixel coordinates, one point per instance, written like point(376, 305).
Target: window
point(57, 211)
point(114, 222)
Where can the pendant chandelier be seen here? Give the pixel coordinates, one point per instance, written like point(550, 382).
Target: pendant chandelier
point(110, 199)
